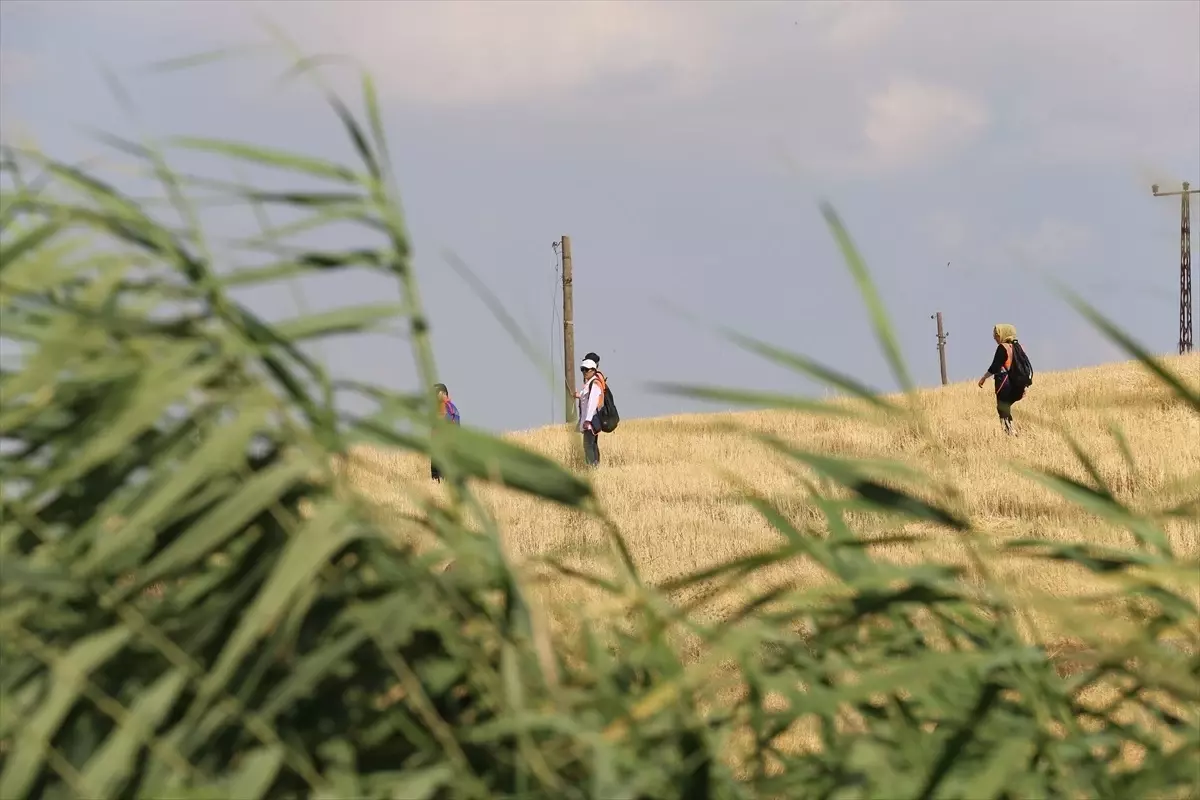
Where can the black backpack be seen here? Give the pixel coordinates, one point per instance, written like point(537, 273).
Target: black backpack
point(1020, 372)
point(609, 416)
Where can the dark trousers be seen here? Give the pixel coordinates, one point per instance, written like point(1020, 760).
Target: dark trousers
point(1005, 397)
point(434, 472)
point(591, 444)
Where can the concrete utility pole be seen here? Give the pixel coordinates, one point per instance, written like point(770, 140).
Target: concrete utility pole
point(941, 340)
point(568, 328)
point(1185, 263)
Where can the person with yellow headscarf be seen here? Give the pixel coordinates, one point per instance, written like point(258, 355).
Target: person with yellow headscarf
point(1010, 384)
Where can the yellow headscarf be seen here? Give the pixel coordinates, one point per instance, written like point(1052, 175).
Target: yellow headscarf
point(1007, 333)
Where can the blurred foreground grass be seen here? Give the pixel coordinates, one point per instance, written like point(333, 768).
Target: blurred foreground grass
point(156, 432)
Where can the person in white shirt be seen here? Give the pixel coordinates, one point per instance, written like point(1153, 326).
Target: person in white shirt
point(591, 398)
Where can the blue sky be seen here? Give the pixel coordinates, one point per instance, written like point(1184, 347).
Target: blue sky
point(683, 146)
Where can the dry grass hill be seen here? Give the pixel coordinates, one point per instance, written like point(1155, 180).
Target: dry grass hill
point(664, 481)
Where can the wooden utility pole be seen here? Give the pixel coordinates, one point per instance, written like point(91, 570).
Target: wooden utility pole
point(1185, 263)
point(941, 340)
point(568, 328)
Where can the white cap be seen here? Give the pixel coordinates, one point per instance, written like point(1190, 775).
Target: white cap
point(587, 363)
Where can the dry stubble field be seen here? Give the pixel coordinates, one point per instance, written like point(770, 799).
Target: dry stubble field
point(664, 483)
point(661, 480)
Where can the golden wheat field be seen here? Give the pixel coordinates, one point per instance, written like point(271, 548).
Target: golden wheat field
point(665, 482)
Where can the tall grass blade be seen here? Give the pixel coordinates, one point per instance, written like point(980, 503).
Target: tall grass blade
point(200, 599)
point(753, 399)
point(496, 308)
point(304, 557)
point(203, 58)
point(885, 334)
point(110, 768)
point(805, 366)
point(69, 672)
point(1126, 343)
point(269, 157)
point(256, 773)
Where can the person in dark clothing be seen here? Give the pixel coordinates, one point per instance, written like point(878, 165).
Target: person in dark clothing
point(1007, 393)
point(591, 399)
point(449, 412)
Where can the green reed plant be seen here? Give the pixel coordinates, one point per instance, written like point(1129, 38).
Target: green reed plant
point(159, 434)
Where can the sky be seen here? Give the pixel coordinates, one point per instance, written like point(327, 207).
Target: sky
point(974, 150)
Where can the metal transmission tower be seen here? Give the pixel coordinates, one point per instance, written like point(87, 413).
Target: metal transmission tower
point(1185, 263)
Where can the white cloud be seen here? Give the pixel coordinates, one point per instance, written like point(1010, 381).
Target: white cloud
point(1054, 242)
point(948, 232)
point(974, 243)
point(16, 67)
point(909, 122)
point(851, 24)
point(862, 24)
point(844, 85)
point(480, 52)
point(462, 53)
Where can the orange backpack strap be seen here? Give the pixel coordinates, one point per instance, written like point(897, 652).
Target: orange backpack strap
point(1008, 348)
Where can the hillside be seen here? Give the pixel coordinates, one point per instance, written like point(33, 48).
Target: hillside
point(661, 478)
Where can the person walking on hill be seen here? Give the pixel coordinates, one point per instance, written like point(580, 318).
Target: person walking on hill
point(449, 412)
point(591, 399)
point(1010, 387)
